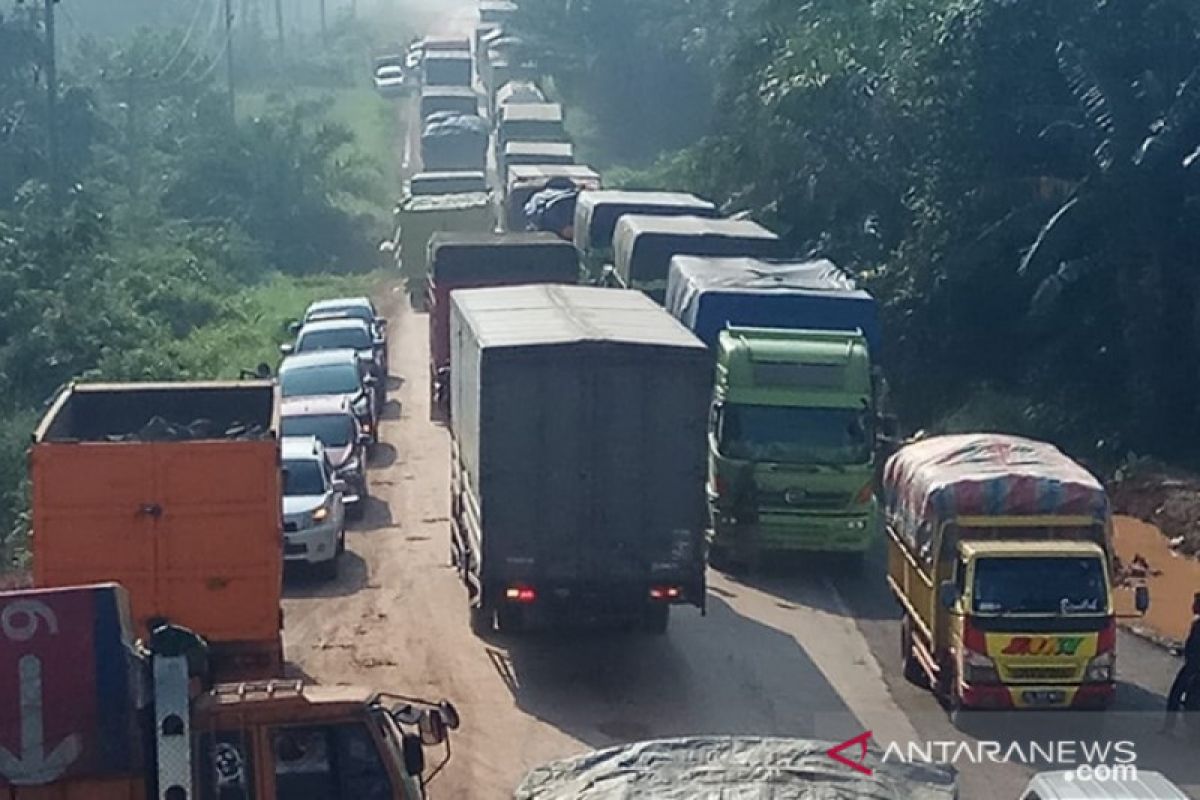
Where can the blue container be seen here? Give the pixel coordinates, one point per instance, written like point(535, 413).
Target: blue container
point(709, 294)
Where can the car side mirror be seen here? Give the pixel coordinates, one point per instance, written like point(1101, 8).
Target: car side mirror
point(364, 439)
point(341, 487)
point(370, 380)
point(414, 755)
point(948, 594)
point(1141, 598)
point(287, 349)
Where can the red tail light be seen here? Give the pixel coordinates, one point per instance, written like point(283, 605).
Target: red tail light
point(1106, 640)
point(520, 594)
point(665, 592)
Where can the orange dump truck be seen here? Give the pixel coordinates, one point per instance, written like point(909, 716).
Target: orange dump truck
point(89, 713)
point(173, 491)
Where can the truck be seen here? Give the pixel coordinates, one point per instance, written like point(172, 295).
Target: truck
point(795, 431)
point(597, 212)
point(526, 180)
point(451, 142)
point(174, 491)
point(459, 261)
point(1000, 556)
point(577, 457)
point(529, 122)
point(89, 711)
point(643, 246)
point(419, 216)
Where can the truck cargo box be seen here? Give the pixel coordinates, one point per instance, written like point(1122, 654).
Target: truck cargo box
point(578, 421)
point(644, 245)
point(454, 182)
point(448, 67)
point(536, 153)
point(597, 213)
point(530, 122)
point(707, 294)
point(458, 99)
point(420, 216)
point(485, 259)
point(173, 491)
point(69, 671)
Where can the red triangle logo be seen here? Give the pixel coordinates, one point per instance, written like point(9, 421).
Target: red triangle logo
point(862, 740)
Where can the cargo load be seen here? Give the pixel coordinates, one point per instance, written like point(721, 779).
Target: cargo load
point(454, 143)
point(597, 213)
point(460, 261)
point(173, 491)
point(578, 456)
point(644, 245)
point(709, 294)
point(526, 180)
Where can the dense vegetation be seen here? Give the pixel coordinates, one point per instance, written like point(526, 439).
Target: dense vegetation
point(1017, 180)
point(184, 238)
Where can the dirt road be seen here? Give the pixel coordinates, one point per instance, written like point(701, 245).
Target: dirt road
point(809, 651)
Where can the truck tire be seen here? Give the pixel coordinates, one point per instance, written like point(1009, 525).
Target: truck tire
point(914, 673)
point(656, 618)
point(480, 620)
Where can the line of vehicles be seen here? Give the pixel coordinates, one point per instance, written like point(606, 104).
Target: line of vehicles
point(679, 389)
point(634, 386)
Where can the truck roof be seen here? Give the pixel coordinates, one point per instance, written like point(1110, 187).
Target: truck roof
point(448, 91)
point(516, 148)
point(455, 201)
point(282, 699)
point(1068, 785)
point(543, 314)
point(314, 405)
point(455, 257)
point(531, 112)
point(643, 244)
point(532, 173)
point(597, 211)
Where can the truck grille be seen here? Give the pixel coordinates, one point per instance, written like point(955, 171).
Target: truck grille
point(805, 499)
point(294, 549)
point(1065, 673)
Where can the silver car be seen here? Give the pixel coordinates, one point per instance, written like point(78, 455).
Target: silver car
point(314, 518)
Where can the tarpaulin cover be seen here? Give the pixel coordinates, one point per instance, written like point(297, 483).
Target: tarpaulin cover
point(598, 212)
point(552, 210)
point(985, 474)
point(706, 294)
point(732, 768)
point(452, 143)
point(69, 685)
point(643, 245)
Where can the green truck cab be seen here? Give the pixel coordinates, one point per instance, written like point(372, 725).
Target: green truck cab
point(791, 442)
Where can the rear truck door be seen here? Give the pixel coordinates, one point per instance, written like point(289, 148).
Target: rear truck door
point(94, 518)
point(219, 538)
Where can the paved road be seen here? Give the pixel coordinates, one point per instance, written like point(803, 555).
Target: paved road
point(808, 650)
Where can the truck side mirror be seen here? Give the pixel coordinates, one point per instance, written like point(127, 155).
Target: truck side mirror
point(1141, 598)
point(432, 727)
point(948, 594)
point(414, 754)
point(294, 327)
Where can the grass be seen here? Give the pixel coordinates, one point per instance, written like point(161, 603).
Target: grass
point(256, 322)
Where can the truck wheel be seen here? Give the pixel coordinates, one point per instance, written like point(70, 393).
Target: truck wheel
point(480, 619)
point(656, 618)
point(914, 673)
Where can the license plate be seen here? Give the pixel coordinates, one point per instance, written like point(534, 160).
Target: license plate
point(1047, 698)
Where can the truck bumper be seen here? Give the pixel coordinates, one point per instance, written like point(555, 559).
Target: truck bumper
point(557, 602)
point(311, 545)
point(842, 533)
point(1095, 696)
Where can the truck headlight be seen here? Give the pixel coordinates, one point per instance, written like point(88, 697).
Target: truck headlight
point(978, 668)
point(320, 514)
point(857, 524)
point(1100, 668)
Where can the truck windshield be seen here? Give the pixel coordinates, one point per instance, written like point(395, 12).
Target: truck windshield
point(1040, 585)
point(790, 434)
point(333, 430)
point(330, 379)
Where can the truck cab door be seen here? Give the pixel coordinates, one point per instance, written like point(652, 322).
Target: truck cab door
point(226, 765)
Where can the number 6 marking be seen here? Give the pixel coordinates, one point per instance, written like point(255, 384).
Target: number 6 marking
point(20, 619)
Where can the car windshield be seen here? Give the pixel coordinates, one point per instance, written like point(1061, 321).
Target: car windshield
point(1040, 585)
point(792, 435)
point(302, 478)
point(326, 379)
point(333, 430)
point(335, 339)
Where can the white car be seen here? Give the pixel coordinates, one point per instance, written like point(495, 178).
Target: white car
point(1064, 785)
point(390, 81)
point(314, 517)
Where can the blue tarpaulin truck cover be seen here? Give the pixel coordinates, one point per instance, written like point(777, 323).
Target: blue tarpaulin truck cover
point(707, 294)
